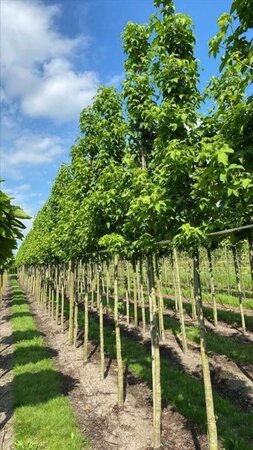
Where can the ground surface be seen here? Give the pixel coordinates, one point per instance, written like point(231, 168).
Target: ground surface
point(94, 400)
point(6, 376)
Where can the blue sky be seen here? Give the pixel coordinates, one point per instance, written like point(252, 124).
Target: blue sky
point(54, 55)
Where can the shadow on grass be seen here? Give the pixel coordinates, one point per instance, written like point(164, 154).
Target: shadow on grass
point(18, 336)
point(32, 388)
point(17, 315)
point(32, 354)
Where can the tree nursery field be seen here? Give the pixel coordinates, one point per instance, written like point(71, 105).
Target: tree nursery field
point(127, 313)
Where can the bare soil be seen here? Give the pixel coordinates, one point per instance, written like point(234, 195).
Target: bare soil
point(6, 375)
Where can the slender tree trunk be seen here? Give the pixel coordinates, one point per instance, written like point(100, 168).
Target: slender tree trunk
point(250, 242)
point(193, 302)
point(107, 287)
point(98, 285)
point(143, 309)
point(128, 292)
point(76, 318)
point(227, 270)
point(211, 422)
point(135, 296)
point(1, 286)
point(103, 280)
point(239, 288)
point(174, 284)
point(62, 306)
point(117, 334)
point(71, 300)
point(179, 297)
point(212, 288)
point(48, 301)
point(93, 280)
point(86, 326)
point(159, 297)
point(101, 325)
point(52, 299)
point(57, 294)
point(155, 352)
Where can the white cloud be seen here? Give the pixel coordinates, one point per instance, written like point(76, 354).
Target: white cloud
point(62, 93)
point(23, 196)
point(37, 68)
point(116, 80)
point(30, 150)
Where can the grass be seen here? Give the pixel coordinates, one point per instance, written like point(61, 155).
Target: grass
point(43, 417)
point(225, 299)
point(241, 353)
point(221, 297)
point(229, 317)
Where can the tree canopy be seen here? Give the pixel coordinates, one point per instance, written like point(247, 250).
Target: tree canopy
point(147, 164)
point(11, 227)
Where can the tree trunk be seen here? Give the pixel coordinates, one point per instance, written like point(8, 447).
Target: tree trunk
point(128, 292)
point(57, 294)
point(143, 309)
point(135, 296)
point(101, 325)
point(239, 288)
point(174, 284)
point(117, 334)
point(93, 281)
point(155, 353)
point(1, 286)
point(71, 300)
point(179, 298)
point(250, 242)
point(86, 327)
point(211, 422)
point(107, 287)
point(76, 319)
point(227, 270)
point(62, 306)
point(193, 303)
point(159, 297)
point(212, 288)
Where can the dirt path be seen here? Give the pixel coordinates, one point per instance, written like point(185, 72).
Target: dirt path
point(6, 375)
point(94, 401)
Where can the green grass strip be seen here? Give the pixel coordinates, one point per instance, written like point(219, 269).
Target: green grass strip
point(240, 352)
point(43, 417)
point(221, 298)
point(229, 317)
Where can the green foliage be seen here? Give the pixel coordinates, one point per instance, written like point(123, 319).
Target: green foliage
point(10, 227)
point(232, 115)
point(114, 243)
point(147, 166)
